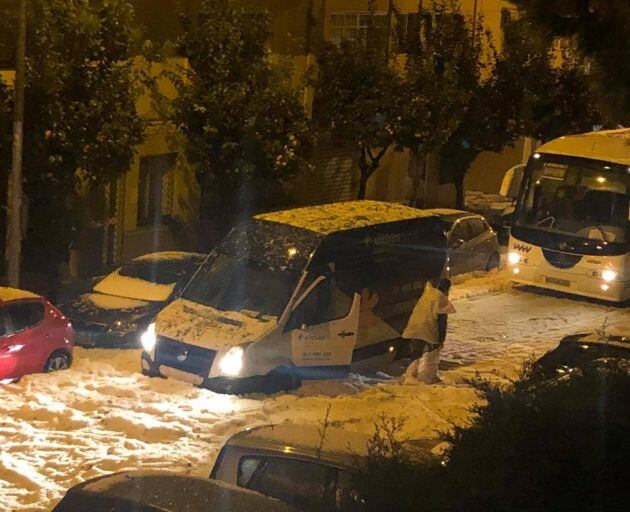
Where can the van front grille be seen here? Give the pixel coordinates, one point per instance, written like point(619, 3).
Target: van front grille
point(184, 357)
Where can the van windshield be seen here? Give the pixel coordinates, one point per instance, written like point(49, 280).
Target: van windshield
point(231, 283)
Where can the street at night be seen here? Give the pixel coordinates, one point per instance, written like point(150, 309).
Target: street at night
point(314, 255)
point(103, 416)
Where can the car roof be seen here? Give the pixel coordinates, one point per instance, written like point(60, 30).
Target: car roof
point(616, 334)
point(607, 146)
point(175, 492)
point(452, 215)
point(170, 256)
point(340, 446)
point(11, 294)
point(326, 219)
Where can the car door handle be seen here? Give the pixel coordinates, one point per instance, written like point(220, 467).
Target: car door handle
point(345, 334)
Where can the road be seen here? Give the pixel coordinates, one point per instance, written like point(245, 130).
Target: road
point(103, 416)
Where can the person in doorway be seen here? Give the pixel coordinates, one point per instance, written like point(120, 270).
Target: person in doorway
point(426, 332)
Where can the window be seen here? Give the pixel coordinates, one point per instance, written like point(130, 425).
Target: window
point(155, 186)
point(326, 302)
point(477, 226)
point(407, 31)
point(355, 26)
point(24, 316)
point(461, 231)
point(5, 328)
point(346, 496)
point(305, 485)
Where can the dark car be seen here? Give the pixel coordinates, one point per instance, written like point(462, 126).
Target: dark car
point(580, 351)
point(472, 243)
point(163, 492)
point(121, 305)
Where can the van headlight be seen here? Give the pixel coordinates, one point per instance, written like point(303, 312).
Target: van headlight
point(609, 275)
point(514, 258)
point(232, 362)
point(149, 338)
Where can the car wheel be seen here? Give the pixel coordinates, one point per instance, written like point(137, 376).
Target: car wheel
point(59, 360)
point(494, 261)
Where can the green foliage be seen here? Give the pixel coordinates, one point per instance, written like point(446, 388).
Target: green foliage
point(81, 124)
point(441, 75)
point(246, 128)
point(357, 100)
point(389, 479)
point(598, 28)
point(531, 89)
point(556, 446)
point(532, 446)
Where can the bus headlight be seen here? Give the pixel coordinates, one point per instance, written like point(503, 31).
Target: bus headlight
point(609, 275)
point(149, 338)
point(514, 258)
point(232, 362)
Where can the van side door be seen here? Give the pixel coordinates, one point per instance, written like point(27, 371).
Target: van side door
point(324, 325)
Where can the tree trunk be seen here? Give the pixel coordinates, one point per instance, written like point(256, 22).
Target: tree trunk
point(460, 199)
point(368, 164)
point(363, 179)
point(364, 173)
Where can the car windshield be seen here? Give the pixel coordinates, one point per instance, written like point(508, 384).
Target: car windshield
point(231, 283)
point(583, 198)
point(159, 271)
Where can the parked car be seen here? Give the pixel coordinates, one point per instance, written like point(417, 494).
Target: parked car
point(162, 492)
point(580, 351)
point(472, 243)
point(293, 463)
point(122, 304)
point(35, 336)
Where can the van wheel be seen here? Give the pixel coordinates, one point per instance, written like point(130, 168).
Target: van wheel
point(59, 360)
point(404, 351)
point(282, 379)
point(494, 261)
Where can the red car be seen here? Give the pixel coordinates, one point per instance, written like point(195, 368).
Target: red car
point(35, 336)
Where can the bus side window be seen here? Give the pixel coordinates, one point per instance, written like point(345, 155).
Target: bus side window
point(325, 303)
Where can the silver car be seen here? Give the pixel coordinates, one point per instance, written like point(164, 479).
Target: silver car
point(472, 243)
point(293, 463)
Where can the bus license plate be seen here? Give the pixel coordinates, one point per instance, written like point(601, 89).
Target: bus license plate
point(559, 282)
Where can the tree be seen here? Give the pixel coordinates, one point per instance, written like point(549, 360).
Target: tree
point(357, 99)
point(598, 29)
point(246, 128)
point(559, 445)
point(442, 79)
point(531, 89)
point(81, 124)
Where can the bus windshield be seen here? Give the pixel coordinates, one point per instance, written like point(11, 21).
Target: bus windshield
point(578, 197)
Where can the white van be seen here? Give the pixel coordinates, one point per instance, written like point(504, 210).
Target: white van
point(300, 293)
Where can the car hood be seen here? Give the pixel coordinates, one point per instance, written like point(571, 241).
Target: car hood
point(211, 328)
point(108, 309)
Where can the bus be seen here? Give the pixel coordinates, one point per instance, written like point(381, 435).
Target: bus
point(571, 228)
